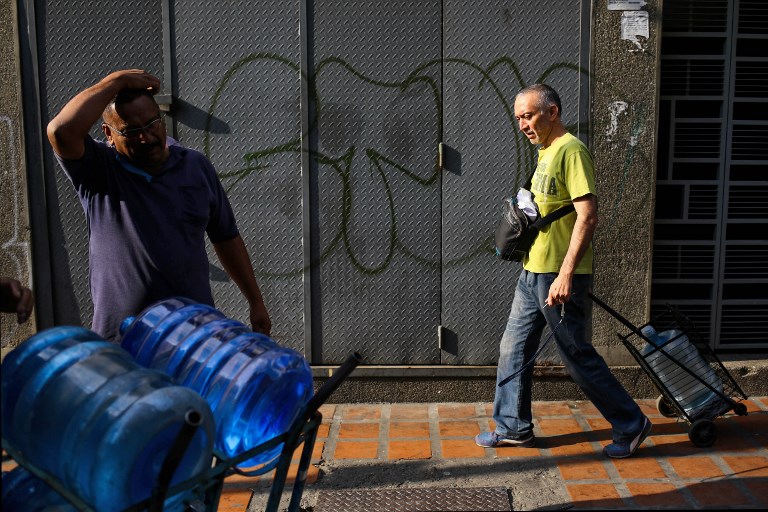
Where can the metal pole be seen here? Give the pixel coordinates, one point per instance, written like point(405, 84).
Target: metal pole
point(34, 162)
point(309, 186)
point(169, 64)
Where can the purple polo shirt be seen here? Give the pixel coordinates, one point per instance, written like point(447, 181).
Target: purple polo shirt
point(146, 234)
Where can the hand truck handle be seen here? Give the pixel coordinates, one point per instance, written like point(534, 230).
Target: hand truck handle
point(615, 314)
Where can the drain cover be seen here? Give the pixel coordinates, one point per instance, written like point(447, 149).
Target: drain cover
point(414, 500)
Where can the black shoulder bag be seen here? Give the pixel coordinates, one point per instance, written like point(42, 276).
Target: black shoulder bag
point(516, 231)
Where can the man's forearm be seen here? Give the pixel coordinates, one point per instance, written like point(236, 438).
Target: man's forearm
point(67, 130)
point(581, 237)
point(235, 260)
point(583, 231)
point(237, 263)
point(580, 240)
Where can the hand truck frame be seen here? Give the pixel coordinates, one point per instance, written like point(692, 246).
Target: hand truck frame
point(702, 429)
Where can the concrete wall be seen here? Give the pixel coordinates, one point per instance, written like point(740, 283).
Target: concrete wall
point(624, 125)
point(14, 219)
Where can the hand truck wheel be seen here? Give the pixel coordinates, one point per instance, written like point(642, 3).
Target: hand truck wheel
point(703, 433)
point(740, 409)
point(665, 408)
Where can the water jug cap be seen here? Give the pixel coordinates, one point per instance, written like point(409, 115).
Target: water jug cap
point(648, 331)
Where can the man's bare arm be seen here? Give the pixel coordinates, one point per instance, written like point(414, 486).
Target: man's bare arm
point(583, 231)
point(68, 129)
point(234, 257)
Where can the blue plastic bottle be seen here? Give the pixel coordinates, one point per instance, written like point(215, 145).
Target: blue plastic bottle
point(689, 391)
point(26, 359)
point(86, 412)
point(24, 492)
point(49, 396)
point(255, 387)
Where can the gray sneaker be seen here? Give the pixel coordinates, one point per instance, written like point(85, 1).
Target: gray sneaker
point(494, 440)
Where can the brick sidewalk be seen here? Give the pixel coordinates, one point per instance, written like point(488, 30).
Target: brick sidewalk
point(667, 472)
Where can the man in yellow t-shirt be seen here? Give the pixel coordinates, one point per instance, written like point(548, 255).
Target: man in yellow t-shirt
point(552, 289)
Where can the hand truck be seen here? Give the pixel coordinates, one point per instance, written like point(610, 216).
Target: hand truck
point(694, 384)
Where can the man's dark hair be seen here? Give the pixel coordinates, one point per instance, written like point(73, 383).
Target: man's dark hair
point(546, 95)
point(126, 96)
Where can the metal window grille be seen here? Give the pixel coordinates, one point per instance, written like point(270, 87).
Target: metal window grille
point(710, 249)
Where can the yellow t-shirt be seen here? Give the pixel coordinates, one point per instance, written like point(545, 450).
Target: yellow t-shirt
point(565, 172)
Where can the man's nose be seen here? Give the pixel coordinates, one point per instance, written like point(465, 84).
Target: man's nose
point(147, 136)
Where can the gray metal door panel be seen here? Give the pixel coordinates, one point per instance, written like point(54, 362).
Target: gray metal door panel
point(492, 49)
point(402, 246)
point(239, 102)
point(80, 43)
point(378, 126)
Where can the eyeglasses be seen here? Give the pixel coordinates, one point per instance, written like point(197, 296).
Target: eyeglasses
point(133, 133)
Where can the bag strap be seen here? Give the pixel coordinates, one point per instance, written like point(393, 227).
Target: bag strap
point(527, 185)
point(557, 214)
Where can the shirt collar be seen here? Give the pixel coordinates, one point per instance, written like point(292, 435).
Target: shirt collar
point(173, 158)
point(128, 166)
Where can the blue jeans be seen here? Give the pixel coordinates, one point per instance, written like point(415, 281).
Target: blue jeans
point(529, 315)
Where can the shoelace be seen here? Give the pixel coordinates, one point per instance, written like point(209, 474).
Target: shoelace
point(543, 345)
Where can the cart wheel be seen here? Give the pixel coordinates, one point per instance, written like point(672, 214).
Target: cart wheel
point(665, 408)
point(740, 409)
point(703, 433)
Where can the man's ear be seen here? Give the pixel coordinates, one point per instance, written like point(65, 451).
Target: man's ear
point(553, 112)
point(107, 132)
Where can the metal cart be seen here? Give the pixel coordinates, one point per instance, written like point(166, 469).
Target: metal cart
point(207, 486)
point(681, 381)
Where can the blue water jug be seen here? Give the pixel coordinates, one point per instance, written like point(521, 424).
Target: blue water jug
point(24, 492)
point(26, 359)
point(668, 348)
point(86, 412)
point(255, 387)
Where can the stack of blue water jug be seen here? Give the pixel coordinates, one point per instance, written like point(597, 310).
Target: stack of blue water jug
point(81, 409)
point(255, 388)
point(102, 417)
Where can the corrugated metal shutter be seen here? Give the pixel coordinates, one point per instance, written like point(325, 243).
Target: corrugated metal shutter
point(710, 248)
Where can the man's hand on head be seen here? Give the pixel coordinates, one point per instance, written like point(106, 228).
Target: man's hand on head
point(135, 79)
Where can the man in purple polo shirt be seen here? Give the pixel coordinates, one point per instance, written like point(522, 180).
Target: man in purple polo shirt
point(149, 203)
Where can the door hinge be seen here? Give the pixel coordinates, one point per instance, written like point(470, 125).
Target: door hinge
point(440, 160)
point(440, 337)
